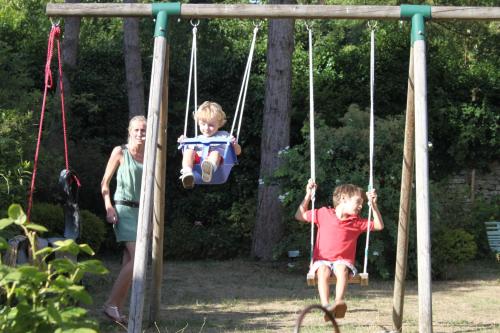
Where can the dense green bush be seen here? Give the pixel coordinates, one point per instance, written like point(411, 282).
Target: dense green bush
point(15, 171)
point(202, 238)
point(451, 248)
point(52, 217)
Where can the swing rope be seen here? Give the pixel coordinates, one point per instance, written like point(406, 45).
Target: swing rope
point(240, 105)
point(193, 72)
point(54, 35)
point(372, 139)
point(371, 144)
point(312, 139)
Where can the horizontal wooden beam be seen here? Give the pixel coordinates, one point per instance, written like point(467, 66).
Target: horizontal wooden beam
point(248, 11)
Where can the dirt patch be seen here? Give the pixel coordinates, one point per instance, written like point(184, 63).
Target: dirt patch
point(246, 296)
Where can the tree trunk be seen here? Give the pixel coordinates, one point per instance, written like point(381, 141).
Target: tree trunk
point(133, 65)
point(269, 227)
point(69, 52)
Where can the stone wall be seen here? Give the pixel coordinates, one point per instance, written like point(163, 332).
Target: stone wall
point(484, 184)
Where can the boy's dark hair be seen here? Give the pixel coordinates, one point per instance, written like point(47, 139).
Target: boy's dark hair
point(348, 190)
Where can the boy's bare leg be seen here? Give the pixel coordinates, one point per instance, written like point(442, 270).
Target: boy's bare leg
point(324, 273)
point(342, 274)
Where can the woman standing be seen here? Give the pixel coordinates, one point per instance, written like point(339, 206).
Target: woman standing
point(127, 159)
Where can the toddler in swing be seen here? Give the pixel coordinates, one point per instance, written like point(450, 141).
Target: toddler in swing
point(338, 231)
point(209, 117)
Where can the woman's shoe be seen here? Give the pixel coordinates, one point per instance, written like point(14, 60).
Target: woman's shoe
point(112, 312)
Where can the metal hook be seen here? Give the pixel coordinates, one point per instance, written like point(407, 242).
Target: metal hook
point(52, 22)
point(257, 23)
point(372, 25)
point(193, 22)
point(309, 26)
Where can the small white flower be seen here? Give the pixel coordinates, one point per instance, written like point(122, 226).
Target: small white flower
point(261, 181)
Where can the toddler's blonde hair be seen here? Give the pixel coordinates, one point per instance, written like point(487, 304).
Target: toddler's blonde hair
point(349, 190)
point(209, 111)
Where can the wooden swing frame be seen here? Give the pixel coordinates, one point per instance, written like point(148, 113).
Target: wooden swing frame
point(154, 173)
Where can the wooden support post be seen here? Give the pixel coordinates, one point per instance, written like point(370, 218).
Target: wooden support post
point(404, 204)
point(159, 197)
point(148, 176)
point(422, 177)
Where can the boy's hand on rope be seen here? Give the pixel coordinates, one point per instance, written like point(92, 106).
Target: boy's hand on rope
point(181, 138)
point(311, 186)
point(372, 197)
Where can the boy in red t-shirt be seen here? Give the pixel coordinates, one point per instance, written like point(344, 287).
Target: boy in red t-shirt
point(338, 232)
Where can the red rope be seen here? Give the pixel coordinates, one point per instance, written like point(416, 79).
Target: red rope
point(54, 35)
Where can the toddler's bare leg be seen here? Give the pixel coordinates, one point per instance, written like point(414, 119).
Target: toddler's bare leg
point(214, 158)
point(188, 159)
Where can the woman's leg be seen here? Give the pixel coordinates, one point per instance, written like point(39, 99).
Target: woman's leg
point(120, 289)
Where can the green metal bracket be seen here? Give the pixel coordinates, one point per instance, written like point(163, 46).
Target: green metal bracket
point(417, 28)
point(162, 11)
point(418, 14)
point(161, 24)
point(171, 8)
point(407, 11)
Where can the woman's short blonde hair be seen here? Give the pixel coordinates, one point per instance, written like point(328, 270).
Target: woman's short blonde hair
point(209, 111)
point(348, 190)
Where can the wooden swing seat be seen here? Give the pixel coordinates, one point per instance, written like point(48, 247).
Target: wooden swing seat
point(361, 279)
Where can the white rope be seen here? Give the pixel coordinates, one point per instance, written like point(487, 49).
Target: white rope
point(372, 140)
point(192, 68)
point(240, 105)
point(312, 139)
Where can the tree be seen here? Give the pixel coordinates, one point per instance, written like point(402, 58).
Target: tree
point(133, 65)
point(269, 227)
point(70, 48)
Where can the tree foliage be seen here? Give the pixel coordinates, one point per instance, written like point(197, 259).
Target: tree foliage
point(463, 102)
